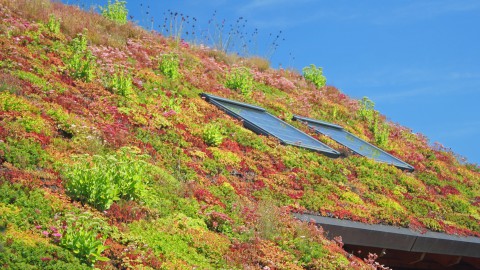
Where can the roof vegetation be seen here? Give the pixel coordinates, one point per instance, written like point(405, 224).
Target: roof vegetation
point(110, 158)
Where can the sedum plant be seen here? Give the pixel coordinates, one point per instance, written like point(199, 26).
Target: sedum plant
point(367, 113)
point(314, 75)
point(366, 110)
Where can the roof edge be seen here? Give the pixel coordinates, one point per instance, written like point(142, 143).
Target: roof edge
point(391, 237)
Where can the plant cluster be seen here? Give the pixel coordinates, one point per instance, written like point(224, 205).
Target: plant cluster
point(367, 110)
point(53, 24)
point(23, 153)
point(212, 135)
point(240, 79)
point(34, 79)
point(121, 83)
point(314, 75)
point(79, 234)
point(81, 63)
point(224, 36)
point(381, 131)
point(116, 11)
point(174, 24)
point(170, 66)
point(206, 197)
point(100, 180)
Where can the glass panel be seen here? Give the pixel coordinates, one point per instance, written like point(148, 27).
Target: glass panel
point(264, 123)
point(354, 143)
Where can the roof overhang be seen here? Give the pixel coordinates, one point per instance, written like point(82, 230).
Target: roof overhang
point(401, 240)
point(383, 236)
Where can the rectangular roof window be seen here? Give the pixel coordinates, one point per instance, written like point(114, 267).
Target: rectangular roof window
point(357, 145)
point(261, 122)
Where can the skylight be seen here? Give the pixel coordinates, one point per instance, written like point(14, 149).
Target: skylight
point(357, 145)
point(261, 122)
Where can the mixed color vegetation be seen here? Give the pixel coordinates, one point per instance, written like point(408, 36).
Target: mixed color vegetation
point(110, 158)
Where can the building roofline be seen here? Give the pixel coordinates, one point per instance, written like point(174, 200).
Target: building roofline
point(391, 237)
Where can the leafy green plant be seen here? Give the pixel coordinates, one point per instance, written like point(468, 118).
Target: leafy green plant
point(116, 11)
point(381, 132)
point(169, 65)
point(81, 62)
point(78, 233)
point(314, 75)
point(121, 84)
point(53, 24)
point(32, 124)
point(310, 250)
point(101, 180)
point(366, 110)
point(240, 79)
point(212, 135)
point(367, 113)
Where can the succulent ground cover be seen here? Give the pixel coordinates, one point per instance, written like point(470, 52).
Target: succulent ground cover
point(110, 158)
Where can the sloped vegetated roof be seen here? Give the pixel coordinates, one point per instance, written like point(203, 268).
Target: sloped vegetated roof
point(104, 138)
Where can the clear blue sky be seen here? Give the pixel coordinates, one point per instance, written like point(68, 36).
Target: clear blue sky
point(418, 60)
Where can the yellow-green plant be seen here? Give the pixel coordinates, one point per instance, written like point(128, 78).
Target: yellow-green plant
point(212, 135)
point(53, 24)
point(116, 11)
point(100, 180)
point(240, 79)
point(78, 233)
point(380, 130)
point(314, 75)
point(121, 83)
point(366, 110)
point(13, 103)
point(23, 153)
point(81, 63)
point(169, 65)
